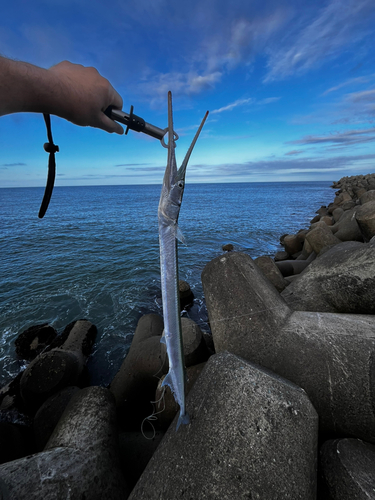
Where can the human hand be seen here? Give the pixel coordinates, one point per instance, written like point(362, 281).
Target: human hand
point(82, 96)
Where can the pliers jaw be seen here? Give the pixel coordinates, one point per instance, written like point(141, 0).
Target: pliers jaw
point(134, 122)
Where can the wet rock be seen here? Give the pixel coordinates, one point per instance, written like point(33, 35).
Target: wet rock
point(348, 469)
point(81, 459)
point(166, 407)
point(186, 294)
point(81, 337)
point(292, 244)
point(34, 340)
point(251, 434)
point(315, 219)
point(271, 271)
point(322, 211)
point(136, 449)
point(135, 383)
point(328, 355)
point(49, 414)
point(321, 237)
point(282, 238)
point(365, 216)
point(281, 255)
point(61, 367)
point(227, 248)
point(342, 281)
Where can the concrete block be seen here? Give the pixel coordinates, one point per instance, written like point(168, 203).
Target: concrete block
point(341, 280)
point(135, 383)
point(331, 356)
point(321, 237)
point(271, 271)
point(365, 217)
point(252, 435)
point(348, 470)
point(81, 459)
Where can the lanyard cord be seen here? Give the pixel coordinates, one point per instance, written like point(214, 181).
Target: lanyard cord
point(50, 148)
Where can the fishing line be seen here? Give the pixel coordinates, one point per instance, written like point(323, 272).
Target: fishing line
point(153, 417)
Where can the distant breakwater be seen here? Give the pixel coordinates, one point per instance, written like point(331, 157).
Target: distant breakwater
point(284, 383)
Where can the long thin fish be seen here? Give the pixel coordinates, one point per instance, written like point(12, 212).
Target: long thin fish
point(168, 212)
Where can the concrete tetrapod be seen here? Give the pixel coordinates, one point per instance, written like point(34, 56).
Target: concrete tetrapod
point(348, 469)
point(81, 459)
point(331, 356)
point(53, 370)
point(252, 435)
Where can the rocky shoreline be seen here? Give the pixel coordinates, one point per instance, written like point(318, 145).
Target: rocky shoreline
point(281, 397)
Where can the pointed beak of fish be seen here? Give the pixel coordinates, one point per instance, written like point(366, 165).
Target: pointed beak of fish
point(182, 170)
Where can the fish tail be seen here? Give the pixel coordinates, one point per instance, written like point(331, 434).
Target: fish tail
point(183, 419)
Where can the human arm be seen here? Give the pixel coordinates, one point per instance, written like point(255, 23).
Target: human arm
point(74, 92)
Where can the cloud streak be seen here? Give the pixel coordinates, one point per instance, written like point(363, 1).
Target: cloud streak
point(235, 104)
point(285, 167)
point(351, 81)
point(18, 164)
point(294, 152)
point(347, 138)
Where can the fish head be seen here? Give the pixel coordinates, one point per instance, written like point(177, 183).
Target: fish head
point(175, 197)
point(174, 180)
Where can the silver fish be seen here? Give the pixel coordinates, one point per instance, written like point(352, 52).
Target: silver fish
point(168, 212)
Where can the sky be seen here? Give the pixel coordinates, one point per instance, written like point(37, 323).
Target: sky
point(289, 84)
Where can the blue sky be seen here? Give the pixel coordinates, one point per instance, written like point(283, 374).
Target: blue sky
point(290, 86)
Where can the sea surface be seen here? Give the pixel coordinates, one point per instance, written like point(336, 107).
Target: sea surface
point(95, 255)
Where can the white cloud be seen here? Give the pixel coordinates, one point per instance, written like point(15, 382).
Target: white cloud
point(351, 81)
point(157, 86)
point(235, 104)
point(363, 96)
point(337, 26)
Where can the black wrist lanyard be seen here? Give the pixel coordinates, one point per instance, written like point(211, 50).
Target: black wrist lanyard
point(50, 148)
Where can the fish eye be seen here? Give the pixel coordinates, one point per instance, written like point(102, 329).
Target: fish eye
point(180, 184)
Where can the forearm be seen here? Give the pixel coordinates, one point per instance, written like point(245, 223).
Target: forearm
point(25, 88)
point(71, 91)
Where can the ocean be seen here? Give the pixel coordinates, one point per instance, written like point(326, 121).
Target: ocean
point(95, 255)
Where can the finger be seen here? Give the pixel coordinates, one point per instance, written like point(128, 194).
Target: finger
point(110, 125)
point(116, 100)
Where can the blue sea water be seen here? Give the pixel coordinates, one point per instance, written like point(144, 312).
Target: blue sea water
point(95, 254)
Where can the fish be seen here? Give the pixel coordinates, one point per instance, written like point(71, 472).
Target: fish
point(169, 232)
